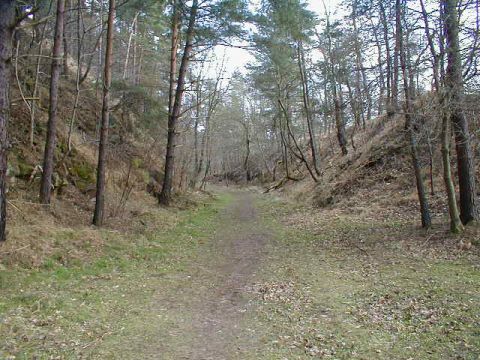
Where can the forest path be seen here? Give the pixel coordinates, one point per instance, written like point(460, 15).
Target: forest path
point(248, 276)
point(217, 297)
point(202, 312)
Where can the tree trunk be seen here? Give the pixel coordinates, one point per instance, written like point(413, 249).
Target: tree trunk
point(356, 114)
point(48, 158)
point(361, 89)
point(455, 92)
point(456, 225)
point(307, 107)
point(33, 102)
point(102, 149)
point(300, 156)
point(422, 196)
point(409, 126)
point(100, 66)
point(166, 193)
point(66, 51)
point(340, 123)
point(7, 22)
point(127, 56)
point(388, 59)
point(396, 59)
point(246, 162)
point(173, 55)
point(196, 157)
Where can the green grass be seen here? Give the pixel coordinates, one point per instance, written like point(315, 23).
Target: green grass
point(69, 311)
point(316, 295)
point(341, 303)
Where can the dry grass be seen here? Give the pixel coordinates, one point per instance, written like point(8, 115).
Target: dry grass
point(377, 179)
point(360, 283)
point(62, 230)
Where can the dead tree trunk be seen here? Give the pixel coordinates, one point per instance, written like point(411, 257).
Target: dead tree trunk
point(102, 149)
point(166, 193)
point(48, 157)
point(455, 93)
point(7, 23)
point(130, 37)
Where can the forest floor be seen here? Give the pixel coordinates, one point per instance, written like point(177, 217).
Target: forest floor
point(251, 276)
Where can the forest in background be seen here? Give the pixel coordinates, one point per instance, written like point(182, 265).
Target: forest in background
point(318, 203)
point(103, 99)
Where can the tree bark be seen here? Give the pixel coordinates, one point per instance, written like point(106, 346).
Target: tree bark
point(130, 37)
point(102, 150)
point(396, 59)
point(49, 154)
point(307, 107)
point(7, 23)
point(456, 225)
point(409, 116)
point(340, 124)
point(166, 193)
point(455, 93)
point(173, 55)
point(65, 37)
point(246, 162)
point(388, 59)
point(339, 121)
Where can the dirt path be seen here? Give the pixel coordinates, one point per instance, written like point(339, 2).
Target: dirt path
point(218, 324)
point(248, 277)
point(211, 307)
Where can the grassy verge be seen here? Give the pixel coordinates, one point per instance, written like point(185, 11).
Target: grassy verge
point(337, 287)
point(73, 310)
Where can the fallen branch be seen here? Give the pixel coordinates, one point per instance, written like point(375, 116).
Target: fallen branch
point(14, 250)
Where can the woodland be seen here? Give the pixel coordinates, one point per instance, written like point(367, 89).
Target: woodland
point(330, 179)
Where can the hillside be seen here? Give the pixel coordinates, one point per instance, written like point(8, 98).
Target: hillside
point(37, 233)
point(376, 179)
point(373, 181)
